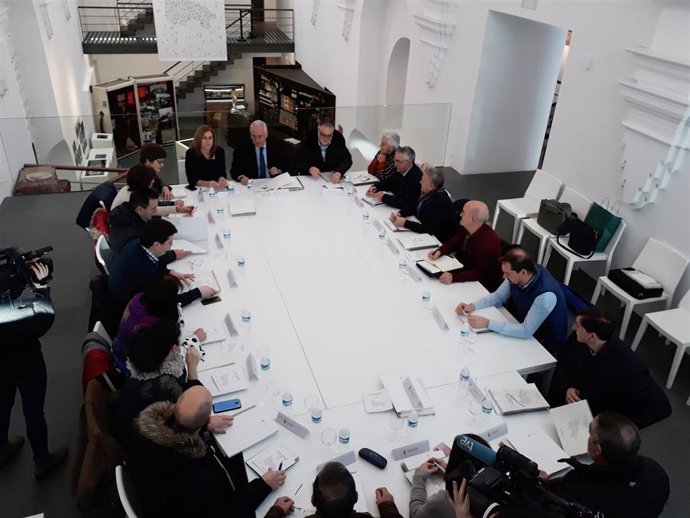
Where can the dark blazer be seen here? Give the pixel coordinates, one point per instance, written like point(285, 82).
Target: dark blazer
point(437, 216)
point(125, 225)
point(198, 167)
point(406, 190)
point(130, 272)
point(244, 159)
point(338, 157)
point(615, 379)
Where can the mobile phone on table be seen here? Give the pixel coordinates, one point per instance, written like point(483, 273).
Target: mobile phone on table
point(211, 300)
point(227, 405)
point(190, 187)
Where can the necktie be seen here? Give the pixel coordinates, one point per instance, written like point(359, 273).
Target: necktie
point(262, 164)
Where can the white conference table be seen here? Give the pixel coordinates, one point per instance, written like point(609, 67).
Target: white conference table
point(333, 311)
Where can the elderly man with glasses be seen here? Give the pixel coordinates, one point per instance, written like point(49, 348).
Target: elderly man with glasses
point(324, 151)
point(401, 191)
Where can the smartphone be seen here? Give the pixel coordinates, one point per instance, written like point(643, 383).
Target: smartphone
point(211, 300)
point(225, 406)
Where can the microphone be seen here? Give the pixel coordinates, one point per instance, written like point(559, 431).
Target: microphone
point(476, 450)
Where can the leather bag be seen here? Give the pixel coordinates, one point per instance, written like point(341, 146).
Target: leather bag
point(552, 214)
point(583, 238)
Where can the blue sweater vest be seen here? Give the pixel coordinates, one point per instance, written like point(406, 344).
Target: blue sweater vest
point(554, 330)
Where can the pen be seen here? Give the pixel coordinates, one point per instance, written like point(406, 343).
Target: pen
point(243, 410)
point(280, 466)
point(300, 487)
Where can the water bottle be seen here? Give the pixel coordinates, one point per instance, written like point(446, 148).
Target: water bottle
point(365, 216)
point(464, 378)
point(402, 264)
point(250, 186)
point(211, 194)
point(464, 333)
point(287, 401)
point(412, 422)
point(487, 407)
point(426, 297)
point(246, 315)
point(265, 363)
point(226, 233)
point(316, 415)
point(344, 435)
point(231, 188)
point(382, 233)
point(220, 210)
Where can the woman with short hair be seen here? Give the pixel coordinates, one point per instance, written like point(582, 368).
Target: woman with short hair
point(383, 165)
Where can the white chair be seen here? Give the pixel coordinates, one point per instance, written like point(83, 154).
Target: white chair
point(580, 205)
point(606, 256)
point(103, 253)
point(543, 185)
point(658, 260)
point(125, 491)
point(100, 329)
point(674, 324)
point(181, 173)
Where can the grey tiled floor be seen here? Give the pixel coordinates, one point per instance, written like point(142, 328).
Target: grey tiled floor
point(32, 222)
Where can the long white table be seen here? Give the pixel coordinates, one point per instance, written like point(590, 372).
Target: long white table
point(333, 311)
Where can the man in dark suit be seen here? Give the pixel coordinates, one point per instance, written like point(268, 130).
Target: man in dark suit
point(259, 158)
point(324, 150)
point(594, 364)
point(404, 188)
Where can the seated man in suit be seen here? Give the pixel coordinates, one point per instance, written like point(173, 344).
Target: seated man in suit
point(434, 210)
point(324, 150)
point(476, 246)
point(404, 187)
point(335, 495)
point(594, 364)
point(176, 474)
point(138, 263)
point(619, 483)
point(260, 158)
point(536, 300)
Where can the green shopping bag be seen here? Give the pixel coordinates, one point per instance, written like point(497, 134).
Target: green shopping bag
point(604, 222)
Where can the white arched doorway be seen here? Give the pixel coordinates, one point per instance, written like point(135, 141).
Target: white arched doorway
point(396, 81)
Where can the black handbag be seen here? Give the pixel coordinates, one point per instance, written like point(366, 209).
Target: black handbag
point(583, 238)
point(552, 214)
point(631, 286)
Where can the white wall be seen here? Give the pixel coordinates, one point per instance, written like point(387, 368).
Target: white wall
point(514, 93)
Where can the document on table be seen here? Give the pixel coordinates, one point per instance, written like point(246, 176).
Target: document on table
point(412, 241)
point(179, 192)
point(525, 398)
point(360, 177)
point(242, 207)
point(224, 379)
point(372, 201)
point(378, 401)
point(492, 313)
point(272, 457)
point(407, 394)
point(410, 465)
point(183, 244)
point(282, 181)
point(572, 425)
point(395, 228)
point(540, 448)
point(436, 267)
point(250, 427)
point(204, 279)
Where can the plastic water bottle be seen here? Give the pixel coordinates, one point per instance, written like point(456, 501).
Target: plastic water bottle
point(402, 264)
point(344, 435)
point(265, 363)
point(412, 422)
point(487, 407)
point(287, 401)
point(240, 260)
point(382, 233)
point(211, 194)
point(246, 315)
point(231, 187)
point(220, 210)
point(426, 298)
point(464, 333)
point(365, 216)
point(226, 233)
point(316, 415)
point(464, 378)
point(250, 186)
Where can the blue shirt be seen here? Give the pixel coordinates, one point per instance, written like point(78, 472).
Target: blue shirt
point(541, 308)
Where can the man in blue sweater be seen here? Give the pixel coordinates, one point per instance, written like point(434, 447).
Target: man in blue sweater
point(535, 299)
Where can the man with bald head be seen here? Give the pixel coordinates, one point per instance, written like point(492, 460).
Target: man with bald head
point(535, 298)
point(619, 483)
point(262, 157)
point(476, 246)
point(176, 474)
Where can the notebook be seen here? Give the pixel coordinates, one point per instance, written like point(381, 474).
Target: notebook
point(412, 241)
point(242, 207)
point(272, 457)
point(225, 379)
point(283, 181)
point(360, 178)
point(395, 228)
point(371, 201)
point(251, 426)
point(572, 425)
point(436, 267)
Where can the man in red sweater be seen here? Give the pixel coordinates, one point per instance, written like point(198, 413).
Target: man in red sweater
point(476, 246)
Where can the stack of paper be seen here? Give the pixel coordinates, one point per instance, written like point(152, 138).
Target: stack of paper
point(519, 399)
point(492, 313)
point(371, 201)
point(411, 241)
point(203, 279)
point(378, 401)
point(395, 228)
point(283, 181)
point(435, 267)
point(179, 192)
point(408, 394)
point(572, 425)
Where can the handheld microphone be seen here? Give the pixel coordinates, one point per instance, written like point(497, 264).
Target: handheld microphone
point(476, 450)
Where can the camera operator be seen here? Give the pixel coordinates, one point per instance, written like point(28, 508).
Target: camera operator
point(22, 367)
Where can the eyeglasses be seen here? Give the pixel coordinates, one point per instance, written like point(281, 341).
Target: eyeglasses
point(161, 161)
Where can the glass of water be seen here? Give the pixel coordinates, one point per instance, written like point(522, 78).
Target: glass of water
point(328, 438)
point(395, 423)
